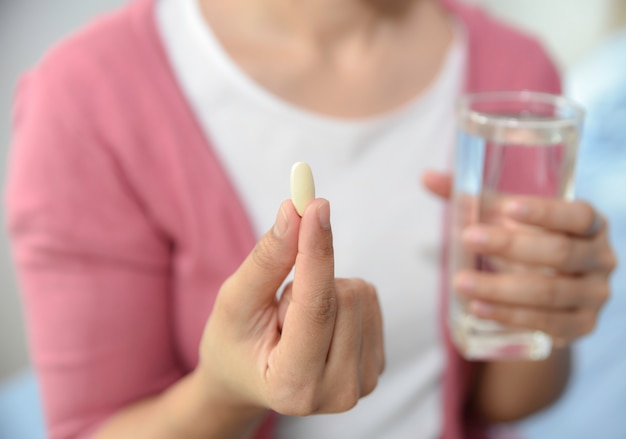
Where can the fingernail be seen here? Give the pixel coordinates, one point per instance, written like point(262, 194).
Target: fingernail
point(477, 236)
point(517, 209)
point(480, 309)
point(323, 213)
point(281, 224)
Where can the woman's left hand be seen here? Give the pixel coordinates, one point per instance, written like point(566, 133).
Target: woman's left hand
point(565, 259)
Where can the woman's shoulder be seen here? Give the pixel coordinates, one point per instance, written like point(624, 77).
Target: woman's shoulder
point(502, 56)
point(106, 54)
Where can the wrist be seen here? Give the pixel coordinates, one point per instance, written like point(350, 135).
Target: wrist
point(206, 410)
point(214, 393)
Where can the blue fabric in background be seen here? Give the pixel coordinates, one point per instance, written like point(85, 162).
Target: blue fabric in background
point(20, 412)
point(594, 406)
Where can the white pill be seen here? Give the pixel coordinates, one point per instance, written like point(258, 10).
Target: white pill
point(302, 186)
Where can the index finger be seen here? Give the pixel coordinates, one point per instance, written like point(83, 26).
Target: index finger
point(438, 183)
point(310, 319)
point(573, 217)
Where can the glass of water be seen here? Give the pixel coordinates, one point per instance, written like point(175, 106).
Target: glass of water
point(509, 144)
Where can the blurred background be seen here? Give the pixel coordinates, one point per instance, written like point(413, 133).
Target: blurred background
point(575, 33)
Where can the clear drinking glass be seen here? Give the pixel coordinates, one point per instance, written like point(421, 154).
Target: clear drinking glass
point(509, 144)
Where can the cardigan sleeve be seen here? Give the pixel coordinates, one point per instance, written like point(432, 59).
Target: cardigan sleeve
point(93, 271)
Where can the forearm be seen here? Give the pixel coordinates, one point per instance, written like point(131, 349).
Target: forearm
point(509, 391)
point(184, 411)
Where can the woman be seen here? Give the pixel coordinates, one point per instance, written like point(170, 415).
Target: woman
point(150, 153)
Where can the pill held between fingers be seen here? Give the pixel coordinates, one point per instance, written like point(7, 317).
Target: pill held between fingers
point(302, 186)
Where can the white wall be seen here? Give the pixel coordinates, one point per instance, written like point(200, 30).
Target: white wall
point(27, 27)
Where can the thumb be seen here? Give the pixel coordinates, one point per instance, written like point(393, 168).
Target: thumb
point(256, 281)
point(438, 183)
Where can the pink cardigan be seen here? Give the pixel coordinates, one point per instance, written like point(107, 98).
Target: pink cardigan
point(124, 224)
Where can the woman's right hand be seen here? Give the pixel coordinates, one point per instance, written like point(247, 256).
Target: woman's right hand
point(317, 349)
